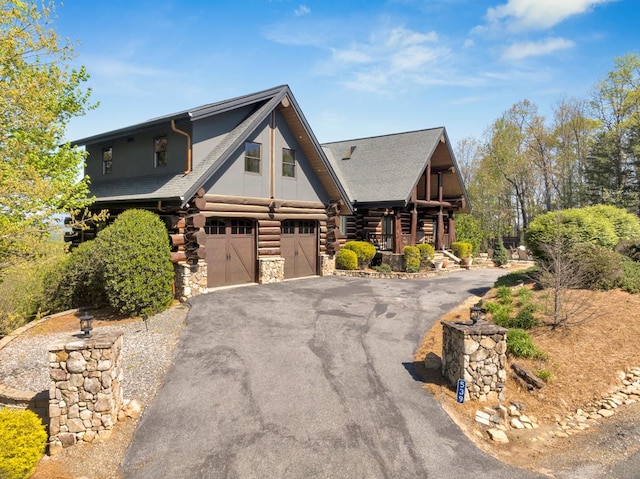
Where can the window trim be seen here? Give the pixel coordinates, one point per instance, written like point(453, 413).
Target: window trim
point(253, 158)
point(291, 164)
point(107, 164)
point(156, 163)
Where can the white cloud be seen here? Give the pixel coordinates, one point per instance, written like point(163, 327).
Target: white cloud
point(301, 10)
point(520, 50)
point(390, 57)
point(518, 15)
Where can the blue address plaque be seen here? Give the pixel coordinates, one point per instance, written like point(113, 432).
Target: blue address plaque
point(462, 387)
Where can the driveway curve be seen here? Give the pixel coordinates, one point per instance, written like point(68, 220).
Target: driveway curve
point(306, 379)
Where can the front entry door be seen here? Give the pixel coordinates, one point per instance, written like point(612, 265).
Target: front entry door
point(299, 248)
point(230, 252)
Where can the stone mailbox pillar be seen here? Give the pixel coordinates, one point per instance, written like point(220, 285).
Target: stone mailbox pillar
point(86, 393)
point(477, 354)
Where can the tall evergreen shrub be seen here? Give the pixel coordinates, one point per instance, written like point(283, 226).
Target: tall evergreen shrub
point(138, 274)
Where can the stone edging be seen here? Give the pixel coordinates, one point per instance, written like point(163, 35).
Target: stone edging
point(16, 398)
point(393, 275)
point(502, 419)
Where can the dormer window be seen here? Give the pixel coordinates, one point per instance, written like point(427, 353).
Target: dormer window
point(252, 157)
point(107, 160)
point(160, 151)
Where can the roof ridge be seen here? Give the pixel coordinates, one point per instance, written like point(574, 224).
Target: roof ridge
point(385, 135)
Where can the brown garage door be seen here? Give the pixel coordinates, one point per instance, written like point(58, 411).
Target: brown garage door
point(299, 248)
point(230, 252)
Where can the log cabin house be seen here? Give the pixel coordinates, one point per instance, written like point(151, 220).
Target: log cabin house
point(250, 196)
point(404, 188)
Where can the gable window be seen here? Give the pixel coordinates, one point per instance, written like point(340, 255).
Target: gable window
point(252, 157)
point(160, 151)
point(288, 163)
point(107, 160)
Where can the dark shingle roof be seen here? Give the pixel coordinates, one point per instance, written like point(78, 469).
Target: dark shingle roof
point(178, 185)
point(383, 168)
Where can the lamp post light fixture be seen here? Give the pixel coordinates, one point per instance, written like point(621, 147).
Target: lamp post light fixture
point(476, 313)
point(86, 327)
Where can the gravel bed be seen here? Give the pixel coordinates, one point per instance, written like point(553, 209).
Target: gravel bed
point(146, 355)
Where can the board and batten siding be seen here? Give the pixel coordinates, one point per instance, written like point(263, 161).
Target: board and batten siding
point(231, 179)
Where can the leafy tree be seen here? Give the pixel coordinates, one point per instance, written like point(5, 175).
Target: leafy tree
point(39, 94)
point(612, 172)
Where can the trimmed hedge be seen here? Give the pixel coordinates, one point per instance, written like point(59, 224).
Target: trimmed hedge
point(23, 440)
point(138, 274)
point(462, 249)
point(427, 253)
point(346, 259)
point(411, 259)
point(364, 250)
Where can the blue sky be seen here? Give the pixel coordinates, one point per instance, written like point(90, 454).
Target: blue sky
point(357, 68)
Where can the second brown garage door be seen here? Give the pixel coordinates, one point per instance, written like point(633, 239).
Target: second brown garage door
point(299, 248)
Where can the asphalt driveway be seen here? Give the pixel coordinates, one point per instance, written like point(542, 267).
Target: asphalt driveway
point(309, 378)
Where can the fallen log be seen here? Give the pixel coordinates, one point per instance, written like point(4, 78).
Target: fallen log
point(527, 375)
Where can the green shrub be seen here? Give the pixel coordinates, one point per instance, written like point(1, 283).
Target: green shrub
point(502, 315)
point(383, 268)
point(630, 280)
point(469, 231)
point(625, 224)
point(427, 253)
point(138, 274)
point(520, 345)
point(524, 295)
point(23, 440)
point(411, 259)
point(504, 294)
point(545, 375)
point(525, 318)
point(500, 255)
point(346, 259)
point(462, 249)
point(22, 288)
point(569, 227)
point(79, 282)
point(601, 267)
point(364, 250)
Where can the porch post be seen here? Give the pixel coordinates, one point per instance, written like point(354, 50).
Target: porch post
point(452, 229)
point(427, 186)
point(397, 231)
point(414, 224)
point(440, 232)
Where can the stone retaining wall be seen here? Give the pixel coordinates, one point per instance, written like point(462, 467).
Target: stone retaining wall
point(85, 394)
point(477, 354)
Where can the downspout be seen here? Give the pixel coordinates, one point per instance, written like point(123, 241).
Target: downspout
point(173, 127)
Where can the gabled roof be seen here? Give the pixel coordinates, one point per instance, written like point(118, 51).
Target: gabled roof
point(180, 188)
point(385, 169)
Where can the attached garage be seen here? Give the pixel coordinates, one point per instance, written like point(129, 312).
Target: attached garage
point(299, 247)
point(230, 252)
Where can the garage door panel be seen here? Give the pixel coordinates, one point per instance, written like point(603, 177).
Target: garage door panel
point(241, 263)
point(230, 254)
point(299, 248)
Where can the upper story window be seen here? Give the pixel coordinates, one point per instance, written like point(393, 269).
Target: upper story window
point(107, 160)
point(252, 157)
point(160, 151)
point(288, 163)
